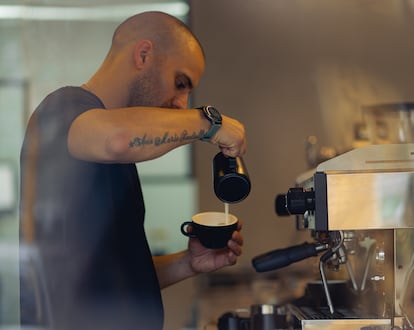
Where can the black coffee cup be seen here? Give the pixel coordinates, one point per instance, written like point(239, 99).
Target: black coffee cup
point(213, 229)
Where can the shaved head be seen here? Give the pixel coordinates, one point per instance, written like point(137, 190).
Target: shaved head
point(166, 32)
point(154, 60)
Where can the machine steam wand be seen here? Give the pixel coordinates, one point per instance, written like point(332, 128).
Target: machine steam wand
point(324, 258)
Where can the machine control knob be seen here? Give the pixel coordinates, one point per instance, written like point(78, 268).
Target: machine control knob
point(377, 278)
point(296, 201)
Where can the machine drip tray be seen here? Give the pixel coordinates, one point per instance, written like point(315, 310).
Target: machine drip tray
point(309, 318)
point(311, 313)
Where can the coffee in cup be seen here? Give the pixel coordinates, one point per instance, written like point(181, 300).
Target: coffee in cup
point(213, 229)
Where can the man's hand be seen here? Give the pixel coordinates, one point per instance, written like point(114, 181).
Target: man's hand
point(231, 138)
point(204, 260)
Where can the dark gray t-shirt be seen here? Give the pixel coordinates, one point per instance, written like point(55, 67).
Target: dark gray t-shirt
point(90, 250)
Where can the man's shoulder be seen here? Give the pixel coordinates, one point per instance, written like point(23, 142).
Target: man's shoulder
point(71, 93)
point(69, 98)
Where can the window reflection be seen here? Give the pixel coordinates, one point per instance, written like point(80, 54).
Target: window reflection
point(44, 47)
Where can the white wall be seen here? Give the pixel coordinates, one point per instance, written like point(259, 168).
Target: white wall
point(290, 69)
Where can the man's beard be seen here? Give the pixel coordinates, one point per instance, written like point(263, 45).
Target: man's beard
point(144, 91)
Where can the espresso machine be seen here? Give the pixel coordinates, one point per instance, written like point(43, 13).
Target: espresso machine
point(358, 208)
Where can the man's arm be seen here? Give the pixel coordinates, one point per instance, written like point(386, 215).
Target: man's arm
point(135, 134)
point(197, 259)
point(173, 268)
point(130, 135)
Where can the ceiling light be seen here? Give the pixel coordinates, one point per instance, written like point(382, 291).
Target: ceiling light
point(89, 13)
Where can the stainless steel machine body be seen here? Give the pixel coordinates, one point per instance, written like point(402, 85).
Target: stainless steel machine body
point(365, 188)
point(359, 209)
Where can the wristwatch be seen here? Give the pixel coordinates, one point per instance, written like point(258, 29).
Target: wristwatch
point(214, 116)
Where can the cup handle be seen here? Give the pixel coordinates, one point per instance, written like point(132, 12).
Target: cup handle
point(184, 227)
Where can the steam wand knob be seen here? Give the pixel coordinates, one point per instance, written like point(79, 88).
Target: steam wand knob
point(296, 201)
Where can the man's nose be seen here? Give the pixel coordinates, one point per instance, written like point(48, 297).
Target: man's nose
point(180, 101)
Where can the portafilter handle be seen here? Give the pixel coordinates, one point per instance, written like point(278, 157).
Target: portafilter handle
point(284, 257)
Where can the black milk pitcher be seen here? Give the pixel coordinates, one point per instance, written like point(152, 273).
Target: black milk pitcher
point(231, 180)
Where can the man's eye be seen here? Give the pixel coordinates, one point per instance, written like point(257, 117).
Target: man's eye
point(181, 84)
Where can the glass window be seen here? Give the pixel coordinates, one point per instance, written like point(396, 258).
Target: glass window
point(46, 45)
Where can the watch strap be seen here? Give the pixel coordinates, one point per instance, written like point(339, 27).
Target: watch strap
point(213, 115)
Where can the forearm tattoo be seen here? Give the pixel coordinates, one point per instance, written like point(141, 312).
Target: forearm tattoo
point(140, 141)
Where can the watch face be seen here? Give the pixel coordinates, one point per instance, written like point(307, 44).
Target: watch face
point(214, 114)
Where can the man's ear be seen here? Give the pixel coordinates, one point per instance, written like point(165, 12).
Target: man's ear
point(142, 52)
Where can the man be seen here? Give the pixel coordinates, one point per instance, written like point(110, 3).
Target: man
point(82, 207)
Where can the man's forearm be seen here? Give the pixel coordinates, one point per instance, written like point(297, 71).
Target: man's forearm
point(131, 135)
point(173, 268)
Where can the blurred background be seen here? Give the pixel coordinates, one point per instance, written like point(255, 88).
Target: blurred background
point(294, 72)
